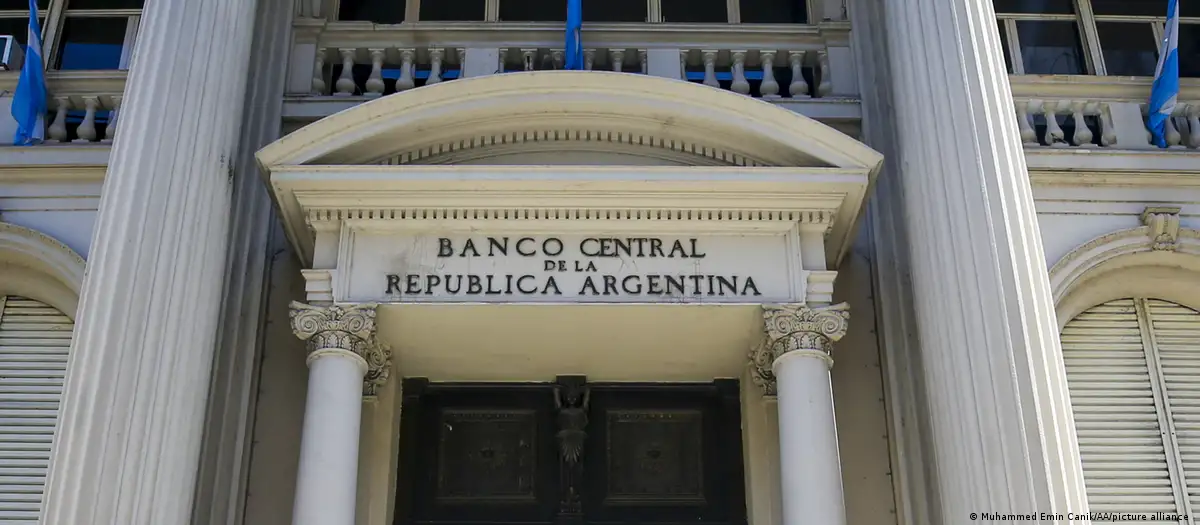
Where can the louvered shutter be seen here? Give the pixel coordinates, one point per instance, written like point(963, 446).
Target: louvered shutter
point(1125, 466)
point(34, 340)
point(1177, 336)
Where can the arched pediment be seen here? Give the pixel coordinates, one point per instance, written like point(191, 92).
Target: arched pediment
point(35, 265)
point(673, 121)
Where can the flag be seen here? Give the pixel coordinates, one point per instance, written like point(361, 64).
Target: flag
point(29, 101)
point(574, 48)
point(1166, 78)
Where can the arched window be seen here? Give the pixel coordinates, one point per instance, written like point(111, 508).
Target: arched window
point(1133, 370)
point(34, 341)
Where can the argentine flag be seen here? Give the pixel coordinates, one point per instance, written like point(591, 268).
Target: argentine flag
point(1166, 78)
point(29, 101)
point(574, 47)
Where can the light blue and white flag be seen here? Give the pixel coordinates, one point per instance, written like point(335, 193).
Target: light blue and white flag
point(1166, 78)
point(574, 47)
point(29, 101)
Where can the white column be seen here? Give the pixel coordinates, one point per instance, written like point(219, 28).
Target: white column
point(989, 361)
point(342, 350)
point(793, 364)
point(128, 439)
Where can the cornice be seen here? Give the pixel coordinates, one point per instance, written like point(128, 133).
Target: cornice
point(1111, 161)
point(54, 162)
point(74, 82)
point(1093, 87)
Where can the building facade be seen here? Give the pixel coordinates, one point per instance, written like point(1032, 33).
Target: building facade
point(365, 262)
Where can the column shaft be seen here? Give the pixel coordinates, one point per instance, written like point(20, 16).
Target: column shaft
point(999, 417)
point(128, 438)
point(808, 450)
point(327, 481)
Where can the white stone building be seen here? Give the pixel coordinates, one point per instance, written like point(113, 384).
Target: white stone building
point(373, 262)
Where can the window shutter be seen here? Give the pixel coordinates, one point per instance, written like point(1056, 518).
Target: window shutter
point(1125, 466)
point(1177, 336)
point(34, 340)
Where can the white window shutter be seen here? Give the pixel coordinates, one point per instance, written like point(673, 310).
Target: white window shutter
point(1125, 466)
point(34, 340)
point(1177, 336)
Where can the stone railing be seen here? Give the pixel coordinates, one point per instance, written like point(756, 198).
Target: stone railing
point(82, 105)
point(360, 59)
point(1099, 112)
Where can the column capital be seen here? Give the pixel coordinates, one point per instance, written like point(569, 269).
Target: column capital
point(349, 328)
point(792, 328)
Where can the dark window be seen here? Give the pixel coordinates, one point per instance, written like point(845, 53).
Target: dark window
point(684, 11)
point(1143, 7)
point(773, 11)
point(453, 10)
point(1004, 47)
point(1055, 7)
point(23, 5)
point(614, 10)
point(105, 4)
point(1189, 50)
point(92, 43)
point(1129, 48)
point(1050, 48)
point(551, 453)
point(533, 10)
point(377, 11)
point(17, 27)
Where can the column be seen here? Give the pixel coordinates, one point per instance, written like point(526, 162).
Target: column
point(987, 359)
point(128, 439)
point(345, 362)
point(793, 364)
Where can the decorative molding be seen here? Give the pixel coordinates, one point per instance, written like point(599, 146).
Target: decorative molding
point(40, 267)
point(796, 328)
point(348, 328)
point(820, 287)
point(318, 285)
point(1164, 227)
point(318, 216)
point(1068, 272)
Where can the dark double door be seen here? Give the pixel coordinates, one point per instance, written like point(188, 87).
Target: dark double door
point(570, 452)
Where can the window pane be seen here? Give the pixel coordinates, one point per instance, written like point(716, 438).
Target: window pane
point(1004, 46)
point(614, 11)
point(18, 27)
point(533, 10)
point(1129, 48)
point(773, 11)
point(92, 43)
point(1050, 48)
point(23, 5)
point(1130, 7)
point(1189, 50)
point(452, 10)
point(105, 4)
point(1057, 7)
point(695, 11)
point(378, 11)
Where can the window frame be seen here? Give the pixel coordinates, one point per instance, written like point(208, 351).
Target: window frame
point(654, 14)
point(54, 16)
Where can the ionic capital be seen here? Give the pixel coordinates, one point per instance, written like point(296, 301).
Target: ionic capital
point(796, 328)
point(348, 328)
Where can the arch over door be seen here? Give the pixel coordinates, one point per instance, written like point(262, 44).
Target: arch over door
point(1133, 370)
point(34, 341)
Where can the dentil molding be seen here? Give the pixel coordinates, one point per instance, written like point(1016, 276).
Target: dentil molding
point(348, 328)
point(796, 328)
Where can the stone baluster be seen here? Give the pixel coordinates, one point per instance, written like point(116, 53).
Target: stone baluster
point(739, 84)
point(1054, 133)
point(58, 127)
point(1193, 120)
point(799, 87)
point(346, 362)
point(1174, 138)
point(110, 129)
point(318, 80)
point(374, 83)
point(557, 56)
point(528, 56)
point(406, 81)
point(86, 132)
point(1108, 134)
point(769, 87)
point(826, 83)
point(461, 53)
point(793, 364)
point(435, 65)
point(644, 61)
point(710, 68)
point(1083, 134)
point(616, 58)
point(683, 58)
point(589, 59)
point(345, 82)
point(1028, 134)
